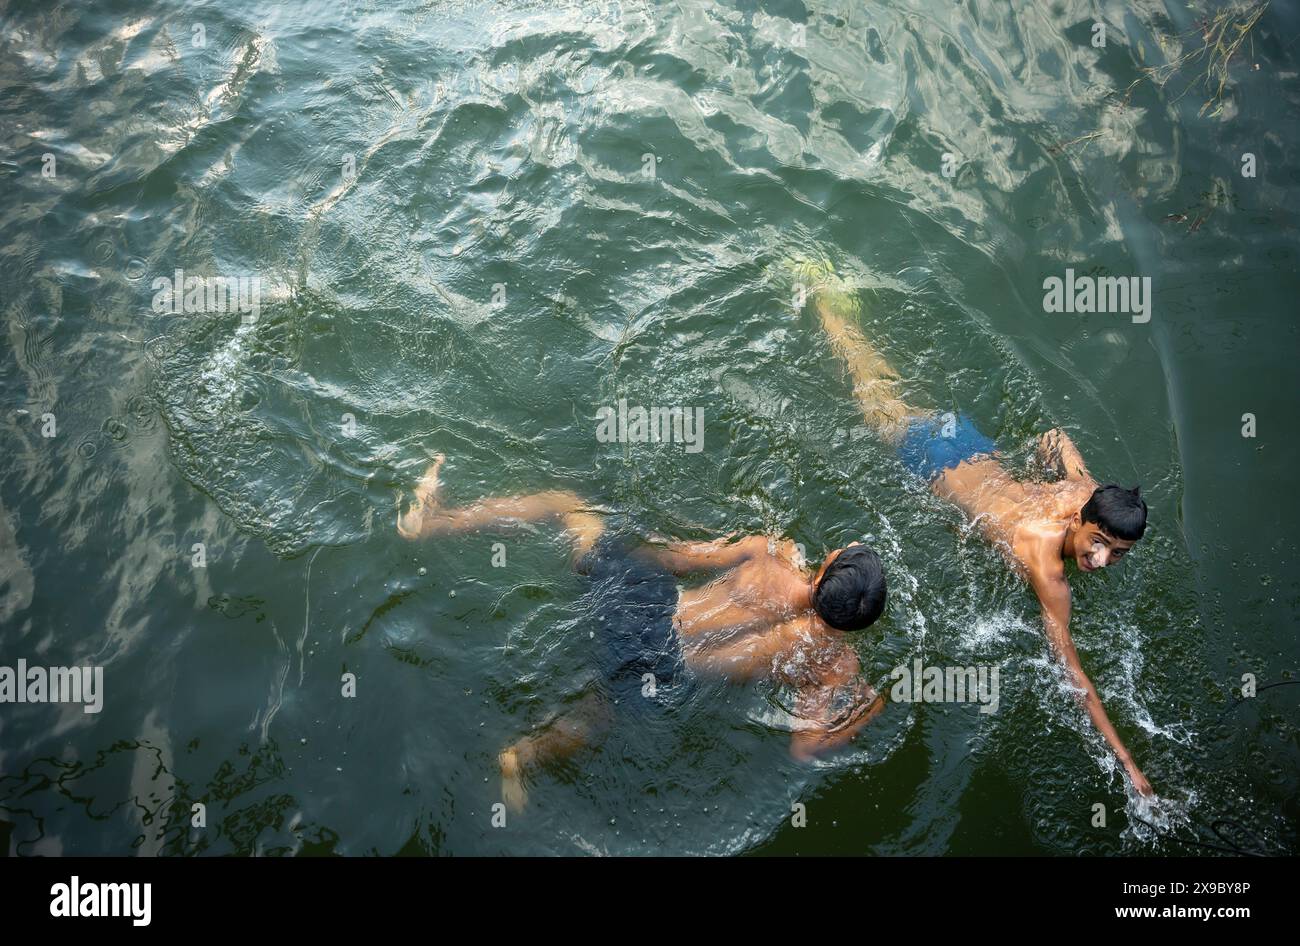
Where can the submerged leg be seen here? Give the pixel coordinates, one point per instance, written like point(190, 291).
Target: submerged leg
point(875, 382)
point(558, 739)
point(426, 516)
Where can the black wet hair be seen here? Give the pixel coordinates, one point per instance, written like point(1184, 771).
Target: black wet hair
point(851, 593)
point(1117, 511)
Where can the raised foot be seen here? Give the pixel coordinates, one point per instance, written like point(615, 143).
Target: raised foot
point(409, 523)
point(513, 792)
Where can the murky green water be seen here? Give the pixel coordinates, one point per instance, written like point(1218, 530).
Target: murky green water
point(459, 249)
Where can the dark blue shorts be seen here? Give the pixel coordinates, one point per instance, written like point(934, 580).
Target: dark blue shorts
point(633, 603)
point(934, 444)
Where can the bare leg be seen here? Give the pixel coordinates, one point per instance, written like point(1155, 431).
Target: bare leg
point(559, 739)
point(875, 382)
point(427, 516)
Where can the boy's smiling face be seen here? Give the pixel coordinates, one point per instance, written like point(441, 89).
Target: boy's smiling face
point(1094, 548)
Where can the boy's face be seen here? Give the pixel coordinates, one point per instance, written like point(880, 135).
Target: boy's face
point(1094, 549)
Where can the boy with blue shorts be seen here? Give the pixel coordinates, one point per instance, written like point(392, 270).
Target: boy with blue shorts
point(1040, 527)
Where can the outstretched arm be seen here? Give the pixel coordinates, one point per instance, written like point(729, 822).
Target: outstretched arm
point(683, 558)
point(1054, 595)
point(834, 710)
point(746, 658)
point(831, 710)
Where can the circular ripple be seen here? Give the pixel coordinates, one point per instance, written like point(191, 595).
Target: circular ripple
point(116, 430)
point(140, 406)
point(142, 410)
point(160, 348)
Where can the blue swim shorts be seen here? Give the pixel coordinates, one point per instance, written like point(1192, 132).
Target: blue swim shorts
point(941, 442)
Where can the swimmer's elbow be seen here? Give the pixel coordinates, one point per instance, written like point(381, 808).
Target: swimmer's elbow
point(802, 748)
point(809, 745)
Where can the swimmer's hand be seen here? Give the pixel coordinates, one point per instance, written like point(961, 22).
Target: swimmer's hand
point(1140, 782)
point(1057, 452)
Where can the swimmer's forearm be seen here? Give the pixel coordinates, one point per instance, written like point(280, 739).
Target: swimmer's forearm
point(1055, 448)
point(1058, 635)
point(1097, 712)
point(1054, 596)
point(806, 745)
point(681, 557)
point(1099, 719)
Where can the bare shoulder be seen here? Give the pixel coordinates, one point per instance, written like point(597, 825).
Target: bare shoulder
point(767, 552)
point(746, 549)
point(1073, 492)
point(787, 550)
point(761, 561)
point(1038, 548)
point(758, 545)
point(1036, 539)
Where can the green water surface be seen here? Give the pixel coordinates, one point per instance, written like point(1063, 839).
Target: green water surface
point(382, 168)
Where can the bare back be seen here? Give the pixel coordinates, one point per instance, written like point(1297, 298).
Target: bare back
point(1026, 521)
point(745, 615)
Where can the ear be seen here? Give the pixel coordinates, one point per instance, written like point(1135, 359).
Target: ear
point(1076, 521)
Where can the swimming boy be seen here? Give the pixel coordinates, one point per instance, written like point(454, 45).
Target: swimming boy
point(1038, 526)
point(762, 615)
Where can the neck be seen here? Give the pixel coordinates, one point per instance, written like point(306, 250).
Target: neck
point(801, 598)
point(1067, 544)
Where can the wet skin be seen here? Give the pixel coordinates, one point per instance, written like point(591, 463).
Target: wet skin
point(750, 618)
point(1037, 526)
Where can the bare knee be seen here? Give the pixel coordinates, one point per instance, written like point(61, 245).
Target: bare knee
point(584, 528)
point(565, 735)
